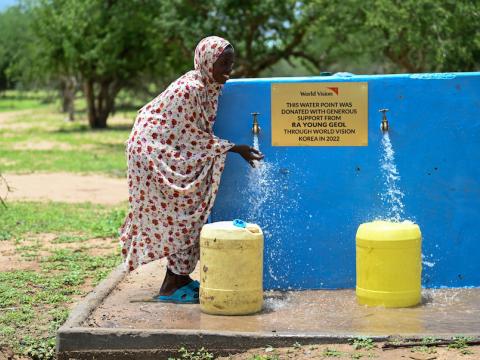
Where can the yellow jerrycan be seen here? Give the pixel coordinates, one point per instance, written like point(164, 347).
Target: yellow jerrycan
point(389, 264)
point(231, 268)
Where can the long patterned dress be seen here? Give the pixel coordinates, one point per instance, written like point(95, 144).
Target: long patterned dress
point(174, 167)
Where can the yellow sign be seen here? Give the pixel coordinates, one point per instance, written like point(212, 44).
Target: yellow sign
point(320, 114)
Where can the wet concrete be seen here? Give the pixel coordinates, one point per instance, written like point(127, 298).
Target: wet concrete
point(114, 321)
point(444, 312)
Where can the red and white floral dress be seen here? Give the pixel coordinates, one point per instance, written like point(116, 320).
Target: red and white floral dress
point(174, 167)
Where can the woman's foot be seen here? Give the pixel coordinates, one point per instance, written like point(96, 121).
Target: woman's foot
point(172, 282)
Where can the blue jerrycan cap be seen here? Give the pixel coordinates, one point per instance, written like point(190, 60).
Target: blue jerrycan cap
point(239, 223)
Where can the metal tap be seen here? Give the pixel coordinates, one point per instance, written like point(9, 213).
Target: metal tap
point(384, 125)
point(255, 126)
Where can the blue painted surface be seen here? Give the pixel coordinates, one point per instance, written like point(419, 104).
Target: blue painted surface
point(321, 194)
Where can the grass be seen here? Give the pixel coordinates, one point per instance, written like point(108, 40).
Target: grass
point(21, 218)
point(328, 352)
point(201, 354)
point(461, 344)
point(362, 342)
point(42, 141)
point(15, 100)
point(33, 304)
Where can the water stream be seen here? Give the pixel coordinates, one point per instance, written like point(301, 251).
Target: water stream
point(266, 193)
point(391, 195)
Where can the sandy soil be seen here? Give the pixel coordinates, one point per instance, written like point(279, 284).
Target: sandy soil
point(65, 187)
point(345, 351)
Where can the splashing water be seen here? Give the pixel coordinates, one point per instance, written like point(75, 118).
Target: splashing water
point(259, 184)
point(392, 196)
point(268, 207)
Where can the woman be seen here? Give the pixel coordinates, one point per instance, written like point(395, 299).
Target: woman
point(174, 168)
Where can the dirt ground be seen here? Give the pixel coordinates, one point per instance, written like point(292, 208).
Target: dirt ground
point(64, 187)
point(345, 351)
point(11, 258)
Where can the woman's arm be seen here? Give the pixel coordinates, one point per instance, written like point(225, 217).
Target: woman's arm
point(249, 153)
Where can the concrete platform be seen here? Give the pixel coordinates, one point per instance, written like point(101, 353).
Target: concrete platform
point(111, 321)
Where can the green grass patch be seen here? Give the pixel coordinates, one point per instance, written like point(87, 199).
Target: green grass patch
point(33, 305)
point(329, 352)
point(43, 141)
point(362, 342)
point(201, 354)
point(20, 218)
point(23, 104)
point(461, 343)
point(13, 100)
point(111, 163)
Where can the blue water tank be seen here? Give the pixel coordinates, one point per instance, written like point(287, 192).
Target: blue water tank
point(310, 200)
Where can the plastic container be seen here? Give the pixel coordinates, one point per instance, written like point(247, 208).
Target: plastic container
point(231, 268)
point(389, 264)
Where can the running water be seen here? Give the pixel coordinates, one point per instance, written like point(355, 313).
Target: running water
point(392, 196)
point(268, 207)
point(260, 184)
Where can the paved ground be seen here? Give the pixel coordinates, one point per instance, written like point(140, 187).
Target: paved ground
point(444, 312)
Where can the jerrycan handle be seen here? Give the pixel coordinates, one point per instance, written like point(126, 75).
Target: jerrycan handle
point(239, 223)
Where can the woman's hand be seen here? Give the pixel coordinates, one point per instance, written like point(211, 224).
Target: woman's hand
point(249, 153)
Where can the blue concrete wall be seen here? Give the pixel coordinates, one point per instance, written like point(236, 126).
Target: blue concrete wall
point(319, 195)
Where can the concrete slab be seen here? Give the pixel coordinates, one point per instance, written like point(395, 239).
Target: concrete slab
point(112, 321)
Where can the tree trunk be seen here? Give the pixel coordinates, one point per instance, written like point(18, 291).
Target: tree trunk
point(100, 103)
point(69, 89)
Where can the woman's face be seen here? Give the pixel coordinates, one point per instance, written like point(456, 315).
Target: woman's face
point(223, 66)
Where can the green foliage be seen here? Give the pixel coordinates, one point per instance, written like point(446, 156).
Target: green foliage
point(362, 342)
point(17, 52)
point(133, 44)
point(106, 44)
point(40, 349)
point(262, 33)
point(461, 343)
point(265, 357)
point(331, 353)
point(201, 354)
point(411, 36)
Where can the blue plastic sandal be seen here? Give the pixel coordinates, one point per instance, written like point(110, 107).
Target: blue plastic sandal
point(195, 285)
point(187, 294)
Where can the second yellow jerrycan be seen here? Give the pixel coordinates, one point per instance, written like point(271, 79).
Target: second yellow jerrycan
point(389, 264)
point(231, 268)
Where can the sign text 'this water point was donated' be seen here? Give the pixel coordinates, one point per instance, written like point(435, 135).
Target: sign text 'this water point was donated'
point(320, 114)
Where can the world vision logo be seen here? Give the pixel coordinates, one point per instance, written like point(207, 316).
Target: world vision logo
point(334, 89)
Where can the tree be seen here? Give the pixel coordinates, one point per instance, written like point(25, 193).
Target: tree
point(105, 44)
point(408, 35)
point(262, 32)
point(15, 50)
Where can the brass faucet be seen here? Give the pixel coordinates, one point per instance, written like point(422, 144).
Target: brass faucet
point(255, 127)
point(384, 125)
